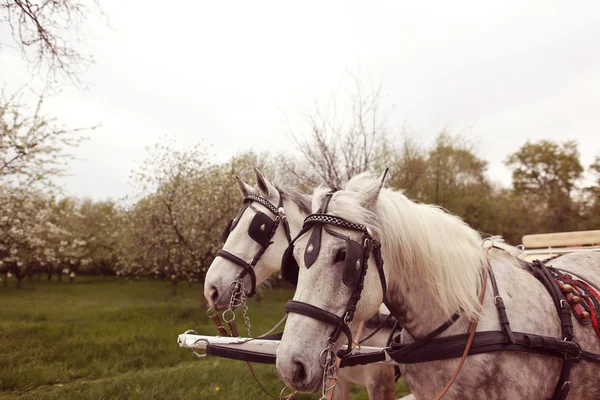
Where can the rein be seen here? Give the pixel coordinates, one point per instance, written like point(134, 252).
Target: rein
point(472, 330)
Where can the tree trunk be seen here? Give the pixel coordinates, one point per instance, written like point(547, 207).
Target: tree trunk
point(6, 279)
point(19, 280)
point(102, 275)
point(59, 276)
point(174, 287)
point(71, 279)
point(189, 283)
point(50, 275)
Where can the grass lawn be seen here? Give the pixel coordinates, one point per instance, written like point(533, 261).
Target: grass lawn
point(116, 339)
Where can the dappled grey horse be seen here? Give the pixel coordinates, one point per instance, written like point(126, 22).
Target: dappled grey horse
point(517, 329)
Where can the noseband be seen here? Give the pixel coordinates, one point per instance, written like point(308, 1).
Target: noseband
point(261, 230)
point(355, 269)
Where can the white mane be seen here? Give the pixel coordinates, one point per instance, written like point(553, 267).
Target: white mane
point(420, 243)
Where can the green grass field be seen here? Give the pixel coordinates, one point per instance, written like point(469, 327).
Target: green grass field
point(116, 339)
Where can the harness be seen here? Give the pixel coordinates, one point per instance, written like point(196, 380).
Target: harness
point(355, 269)
point(261, 230)
point(431, 347)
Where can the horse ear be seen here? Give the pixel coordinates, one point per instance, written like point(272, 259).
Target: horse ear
point(264, 185)
point(371, 192)
point(245, 189)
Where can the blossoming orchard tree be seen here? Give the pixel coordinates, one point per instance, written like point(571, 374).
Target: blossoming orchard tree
point(173, 231)
point(33, 151)
point(26, 233)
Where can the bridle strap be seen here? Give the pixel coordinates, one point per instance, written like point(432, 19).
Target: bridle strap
point(322, 315)
point(265, 202)
point(248, 267)
point(319, 222)
point(379, 264)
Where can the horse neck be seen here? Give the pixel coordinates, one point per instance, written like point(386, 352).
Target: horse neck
point(420, 313)
point(415, 307)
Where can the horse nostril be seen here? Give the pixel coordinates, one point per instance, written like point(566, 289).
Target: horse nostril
point(214, 294)
point(299, 372)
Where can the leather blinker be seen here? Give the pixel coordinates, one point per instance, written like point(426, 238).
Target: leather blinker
point(260, 228)
point(353, 263)
point(311, 253)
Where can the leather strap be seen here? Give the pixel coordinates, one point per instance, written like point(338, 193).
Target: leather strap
point(247, 268)
point(472, 330)
point(542, 273)
point(499, 302)
point(320, 314)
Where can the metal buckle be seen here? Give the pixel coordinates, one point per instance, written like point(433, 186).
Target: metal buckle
point(347, 318)
point(281, 214)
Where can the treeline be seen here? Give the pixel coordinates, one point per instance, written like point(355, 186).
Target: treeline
point(170, 229)
point(548, 191)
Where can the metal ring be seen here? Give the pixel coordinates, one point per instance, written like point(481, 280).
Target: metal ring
point(194, 350)
point(190, 331)
point(209, 314)
point(496, 299)
point(233, 284)
point(486, 240)
point(225, 317)
point(325, 362)
point(521, 248)
point(281, 396)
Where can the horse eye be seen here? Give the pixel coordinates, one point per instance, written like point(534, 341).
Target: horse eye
point(340, 256)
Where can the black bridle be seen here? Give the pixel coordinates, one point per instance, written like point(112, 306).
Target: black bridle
point(354, 271)
point(262, 229)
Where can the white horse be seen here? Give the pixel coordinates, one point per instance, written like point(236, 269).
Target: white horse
point(378, 379)
point(433, 264)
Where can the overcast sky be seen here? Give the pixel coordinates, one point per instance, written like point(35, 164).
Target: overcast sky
point(231, 74)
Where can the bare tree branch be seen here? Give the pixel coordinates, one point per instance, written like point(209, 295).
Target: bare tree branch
point(336, 149)
point(47, 32)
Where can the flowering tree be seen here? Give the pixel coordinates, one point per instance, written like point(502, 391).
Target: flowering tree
point(29, 237)
point(99, 229)
point(173, 231)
